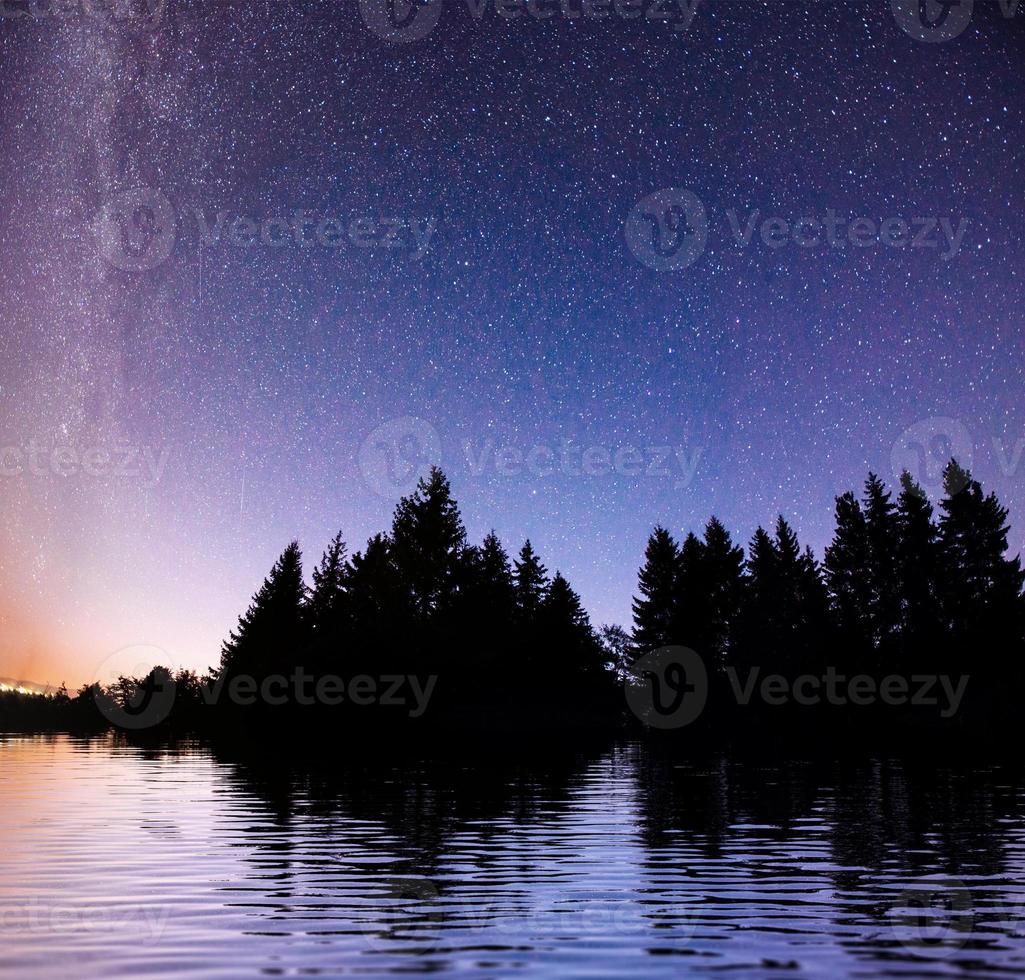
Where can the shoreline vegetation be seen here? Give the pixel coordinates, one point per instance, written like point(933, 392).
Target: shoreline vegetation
point(422, 634)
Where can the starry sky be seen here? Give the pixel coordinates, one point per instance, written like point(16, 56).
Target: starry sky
point(528, 248)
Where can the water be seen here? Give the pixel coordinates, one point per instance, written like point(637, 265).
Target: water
point(122, 861)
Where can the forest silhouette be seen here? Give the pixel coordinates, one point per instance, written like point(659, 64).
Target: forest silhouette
point(901, 590)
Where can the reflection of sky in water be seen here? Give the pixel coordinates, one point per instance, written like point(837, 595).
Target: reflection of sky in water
point(119, 861)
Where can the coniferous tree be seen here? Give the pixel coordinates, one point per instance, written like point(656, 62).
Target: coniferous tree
point(917, 575)
point(983, 588)
point(847, 581)
point(691, 619)
point(427, 545)
point(327, 608)
point(654, 608)
point(567, 630)
point(379, 608)
point(724, 579)
point(271, 636)
point(494, 589)
point(485, 613)
point(757, 619)
point(530, 579)
point(881, 531)
point(797, 584)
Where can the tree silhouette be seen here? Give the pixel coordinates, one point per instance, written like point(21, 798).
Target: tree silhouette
point(846, 567)
point(327, 609)
point(882, 529)
point(690, 616)
point(917, 574)
point(530, 579)
point(982, 588)
point(653, 609)
point(428, 540)
point(271, 635)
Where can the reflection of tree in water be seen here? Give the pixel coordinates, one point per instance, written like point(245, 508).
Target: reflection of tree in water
point(426, 852)
point(924, 857)
point(369, 829)
point(698, 798)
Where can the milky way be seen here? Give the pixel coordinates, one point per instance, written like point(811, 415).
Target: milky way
point(262, 265)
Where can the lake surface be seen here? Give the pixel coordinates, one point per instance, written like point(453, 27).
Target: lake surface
point(122, 861)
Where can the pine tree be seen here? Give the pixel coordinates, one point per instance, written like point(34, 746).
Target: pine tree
point(794, 585)
point(573, 649)
point(427, 544)
point(847, 581)
point(917, 574)
point(327, 607)
point(983, 587)
point(881, 531)
point(691, 619)
point(494, 587)
point(757, 619)
point(724, 573)
point(271, 635)
point(531, 583)
point(653, 609)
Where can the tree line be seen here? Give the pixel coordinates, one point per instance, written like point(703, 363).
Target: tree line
point(420, 599)
point(900, 589)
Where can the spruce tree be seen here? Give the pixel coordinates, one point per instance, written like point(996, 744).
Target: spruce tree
point(271, 636)
point(753, 646)
point(530, 578)
point(847, 581)
point(917, 575)
point(724, 573)
point(794, 584)
point(495, 589)
point(427, 544)
point(327, 607)
point(691, 619)
point(653, 609)
point(574, 654)
point(882, 531)
point(983, 586)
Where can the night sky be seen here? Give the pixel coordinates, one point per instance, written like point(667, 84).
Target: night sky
point(517, 256)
